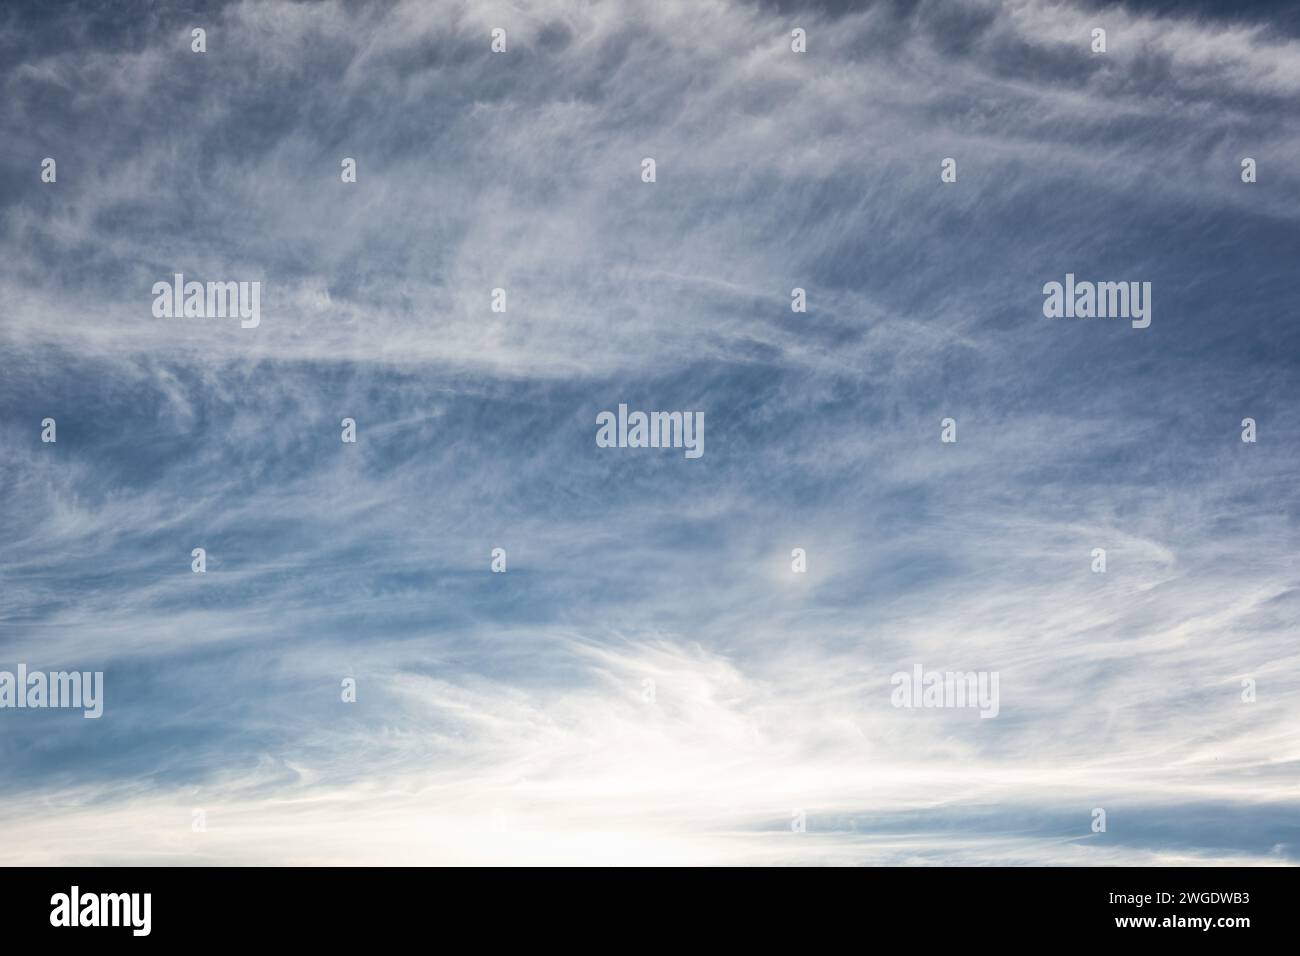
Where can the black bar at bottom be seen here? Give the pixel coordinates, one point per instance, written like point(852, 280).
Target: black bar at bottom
point(612, 908)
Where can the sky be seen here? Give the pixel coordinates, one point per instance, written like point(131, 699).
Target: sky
point(650, 682)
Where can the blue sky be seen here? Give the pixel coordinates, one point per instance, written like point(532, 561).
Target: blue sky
point(501, 717)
